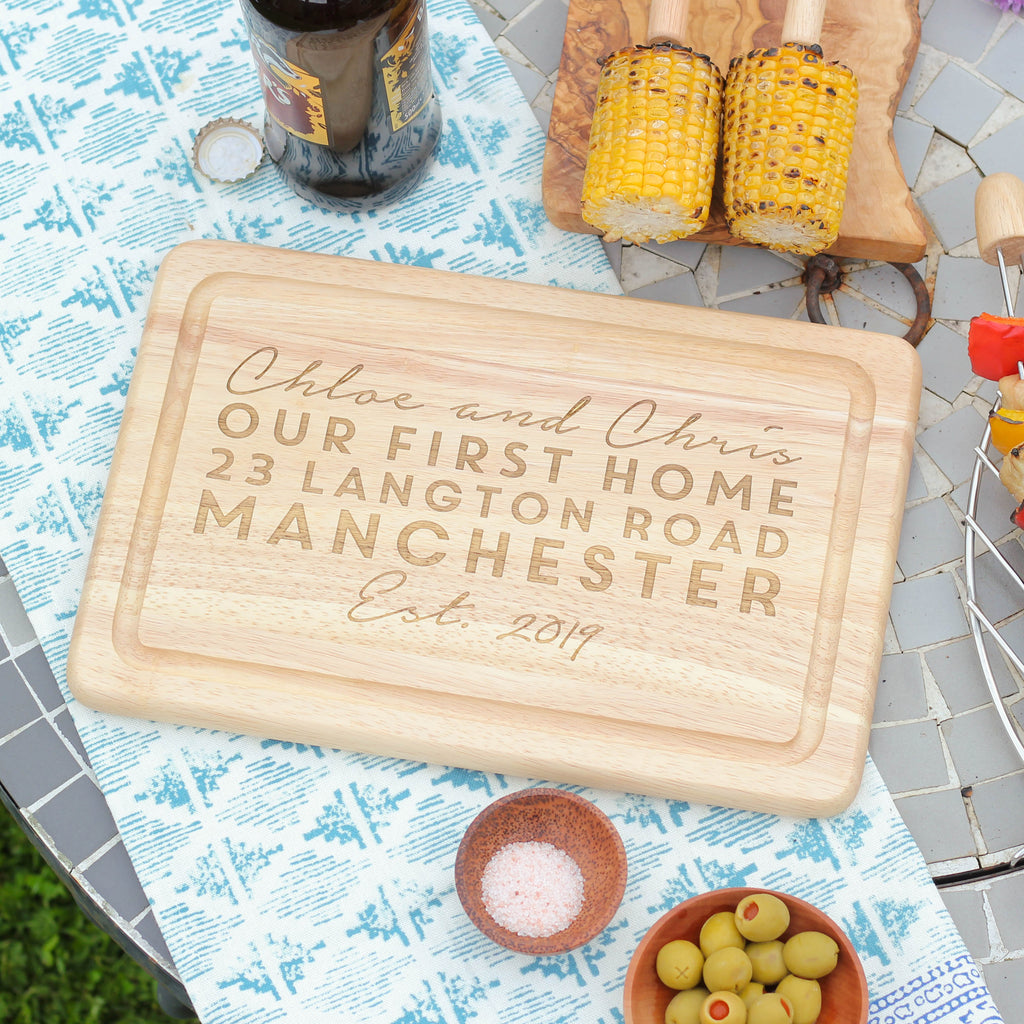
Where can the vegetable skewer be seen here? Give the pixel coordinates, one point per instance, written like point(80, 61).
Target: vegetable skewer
point(996, 344)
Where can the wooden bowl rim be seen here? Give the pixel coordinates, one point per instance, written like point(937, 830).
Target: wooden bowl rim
point(737, 893)
point(591, 921)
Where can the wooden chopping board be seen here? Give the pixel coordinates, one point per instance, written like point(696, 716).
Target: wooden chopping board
point(579, 537)
point(878, 39)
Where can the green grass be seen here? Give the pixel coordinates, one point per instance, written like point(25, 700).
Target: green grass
point(56, 966)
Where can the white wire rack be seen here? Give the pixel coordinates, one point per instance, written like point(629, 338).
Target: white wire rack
point(978, 541)
point(982, 627)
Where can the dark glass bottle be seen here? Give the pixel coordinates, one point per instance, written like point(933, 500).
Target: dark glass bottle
point(351, 110)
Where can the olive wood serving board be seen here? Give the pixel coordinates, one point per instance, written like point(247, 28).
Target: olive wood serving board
point(878, 39)
point(579, 537)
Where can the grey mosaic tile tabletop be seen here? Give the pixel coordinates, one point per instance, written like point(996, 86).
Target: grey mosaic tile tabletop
point(955, 776)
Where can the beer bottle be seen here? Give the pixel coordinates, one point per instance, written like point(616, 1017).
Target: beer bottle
point(350, 103)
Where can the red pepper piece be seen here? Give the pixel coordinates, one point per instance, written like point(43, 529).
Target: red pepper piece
point(995, 344)
point(1017, 516)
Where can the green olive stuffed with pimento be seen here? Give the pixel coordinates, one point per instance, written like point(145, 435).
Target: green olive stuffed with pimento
point(745, 970)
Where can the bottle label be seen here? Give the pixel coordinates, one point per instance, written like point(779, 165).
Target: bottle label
point(292, 95)
point(406, 69)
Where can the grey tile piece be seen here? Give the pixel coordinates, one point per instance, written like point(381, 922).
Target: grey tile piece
point(938, 822)
point(900, 695)
point(967, 908)
point(490, 21)
point(909, 756)
point(114, 878)
point(642, 266)
point(17, 705)
point(957, 670)
point(926, 611)
point(929, 538)
point(1006, 897)
point(681, 289)
point(4, 649)
point(979, 747)
point(687, 254)
point(917, 488)
point(950, 209)
point(1013, 633)
point(149, 930)
point(529, 81)
point(887, 286)
point(951, 443)
point(539, 33)
point(1000, 151)
point(65, 725)
point(987, 391)
point(34, 762)
point(960, 27)
point(613, 250)
point(910, 89)
point(958, 103)
point(1003, 63)
point(993, 506)
point(945, 365)
point(912, 140)
point(508, 9)
point(999, 807)
point(862, 317)
point(777, 302)
point(542, 112)
point(1005, 982)
point(78, 819)
point(36, 669)
point(13, 620)
point(744, 268)
point(964, 287)
point(997, 593)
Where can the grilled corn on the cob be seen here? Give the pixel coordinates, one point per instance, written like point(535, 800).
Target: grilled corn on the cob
point(788, 130)
point(653, 144)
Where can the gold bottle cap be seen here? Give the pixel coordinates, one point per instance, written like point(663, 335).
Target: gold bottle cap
point(227, 150)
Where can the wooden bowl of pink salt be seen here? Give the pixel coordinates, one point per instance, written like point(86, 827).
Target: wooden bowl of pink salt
point(541, 871)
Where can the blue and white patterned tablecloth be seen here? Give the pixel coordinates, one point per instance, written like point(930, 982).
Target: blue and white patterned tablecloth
point(294, 883)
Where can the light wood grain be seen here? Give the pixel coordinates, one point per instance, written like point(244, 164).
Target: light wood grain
point(666, 21)
point(878, 39)
point(647, 547)
point(999, 217)
point(803, 21)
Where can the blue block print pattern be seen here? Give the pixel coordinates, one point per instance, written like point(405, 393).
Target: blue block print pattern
point(294, 883)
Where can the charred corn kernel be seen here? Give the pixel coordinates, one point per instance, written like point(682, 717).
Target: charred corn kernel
point(788, 120)
point(653, 144)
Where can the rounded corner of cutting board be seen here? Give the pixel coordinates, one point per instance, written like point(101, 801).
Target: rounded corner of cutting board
point(90, 669)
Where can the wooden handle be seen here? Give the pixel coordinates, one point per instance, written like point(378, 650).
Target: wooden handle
point(803, 21)
point(666, 21)
point(999, 217)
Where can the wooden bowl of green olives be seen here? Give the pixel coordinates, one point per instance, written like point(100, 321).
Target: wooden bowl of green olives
point(745, 956)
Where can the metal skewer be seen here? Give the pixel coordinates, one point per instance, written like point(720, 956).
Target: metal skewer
point(999, 218)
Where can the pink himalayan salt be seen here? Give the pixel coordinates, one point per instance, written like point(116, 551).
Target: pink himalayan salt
point(532, 889)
